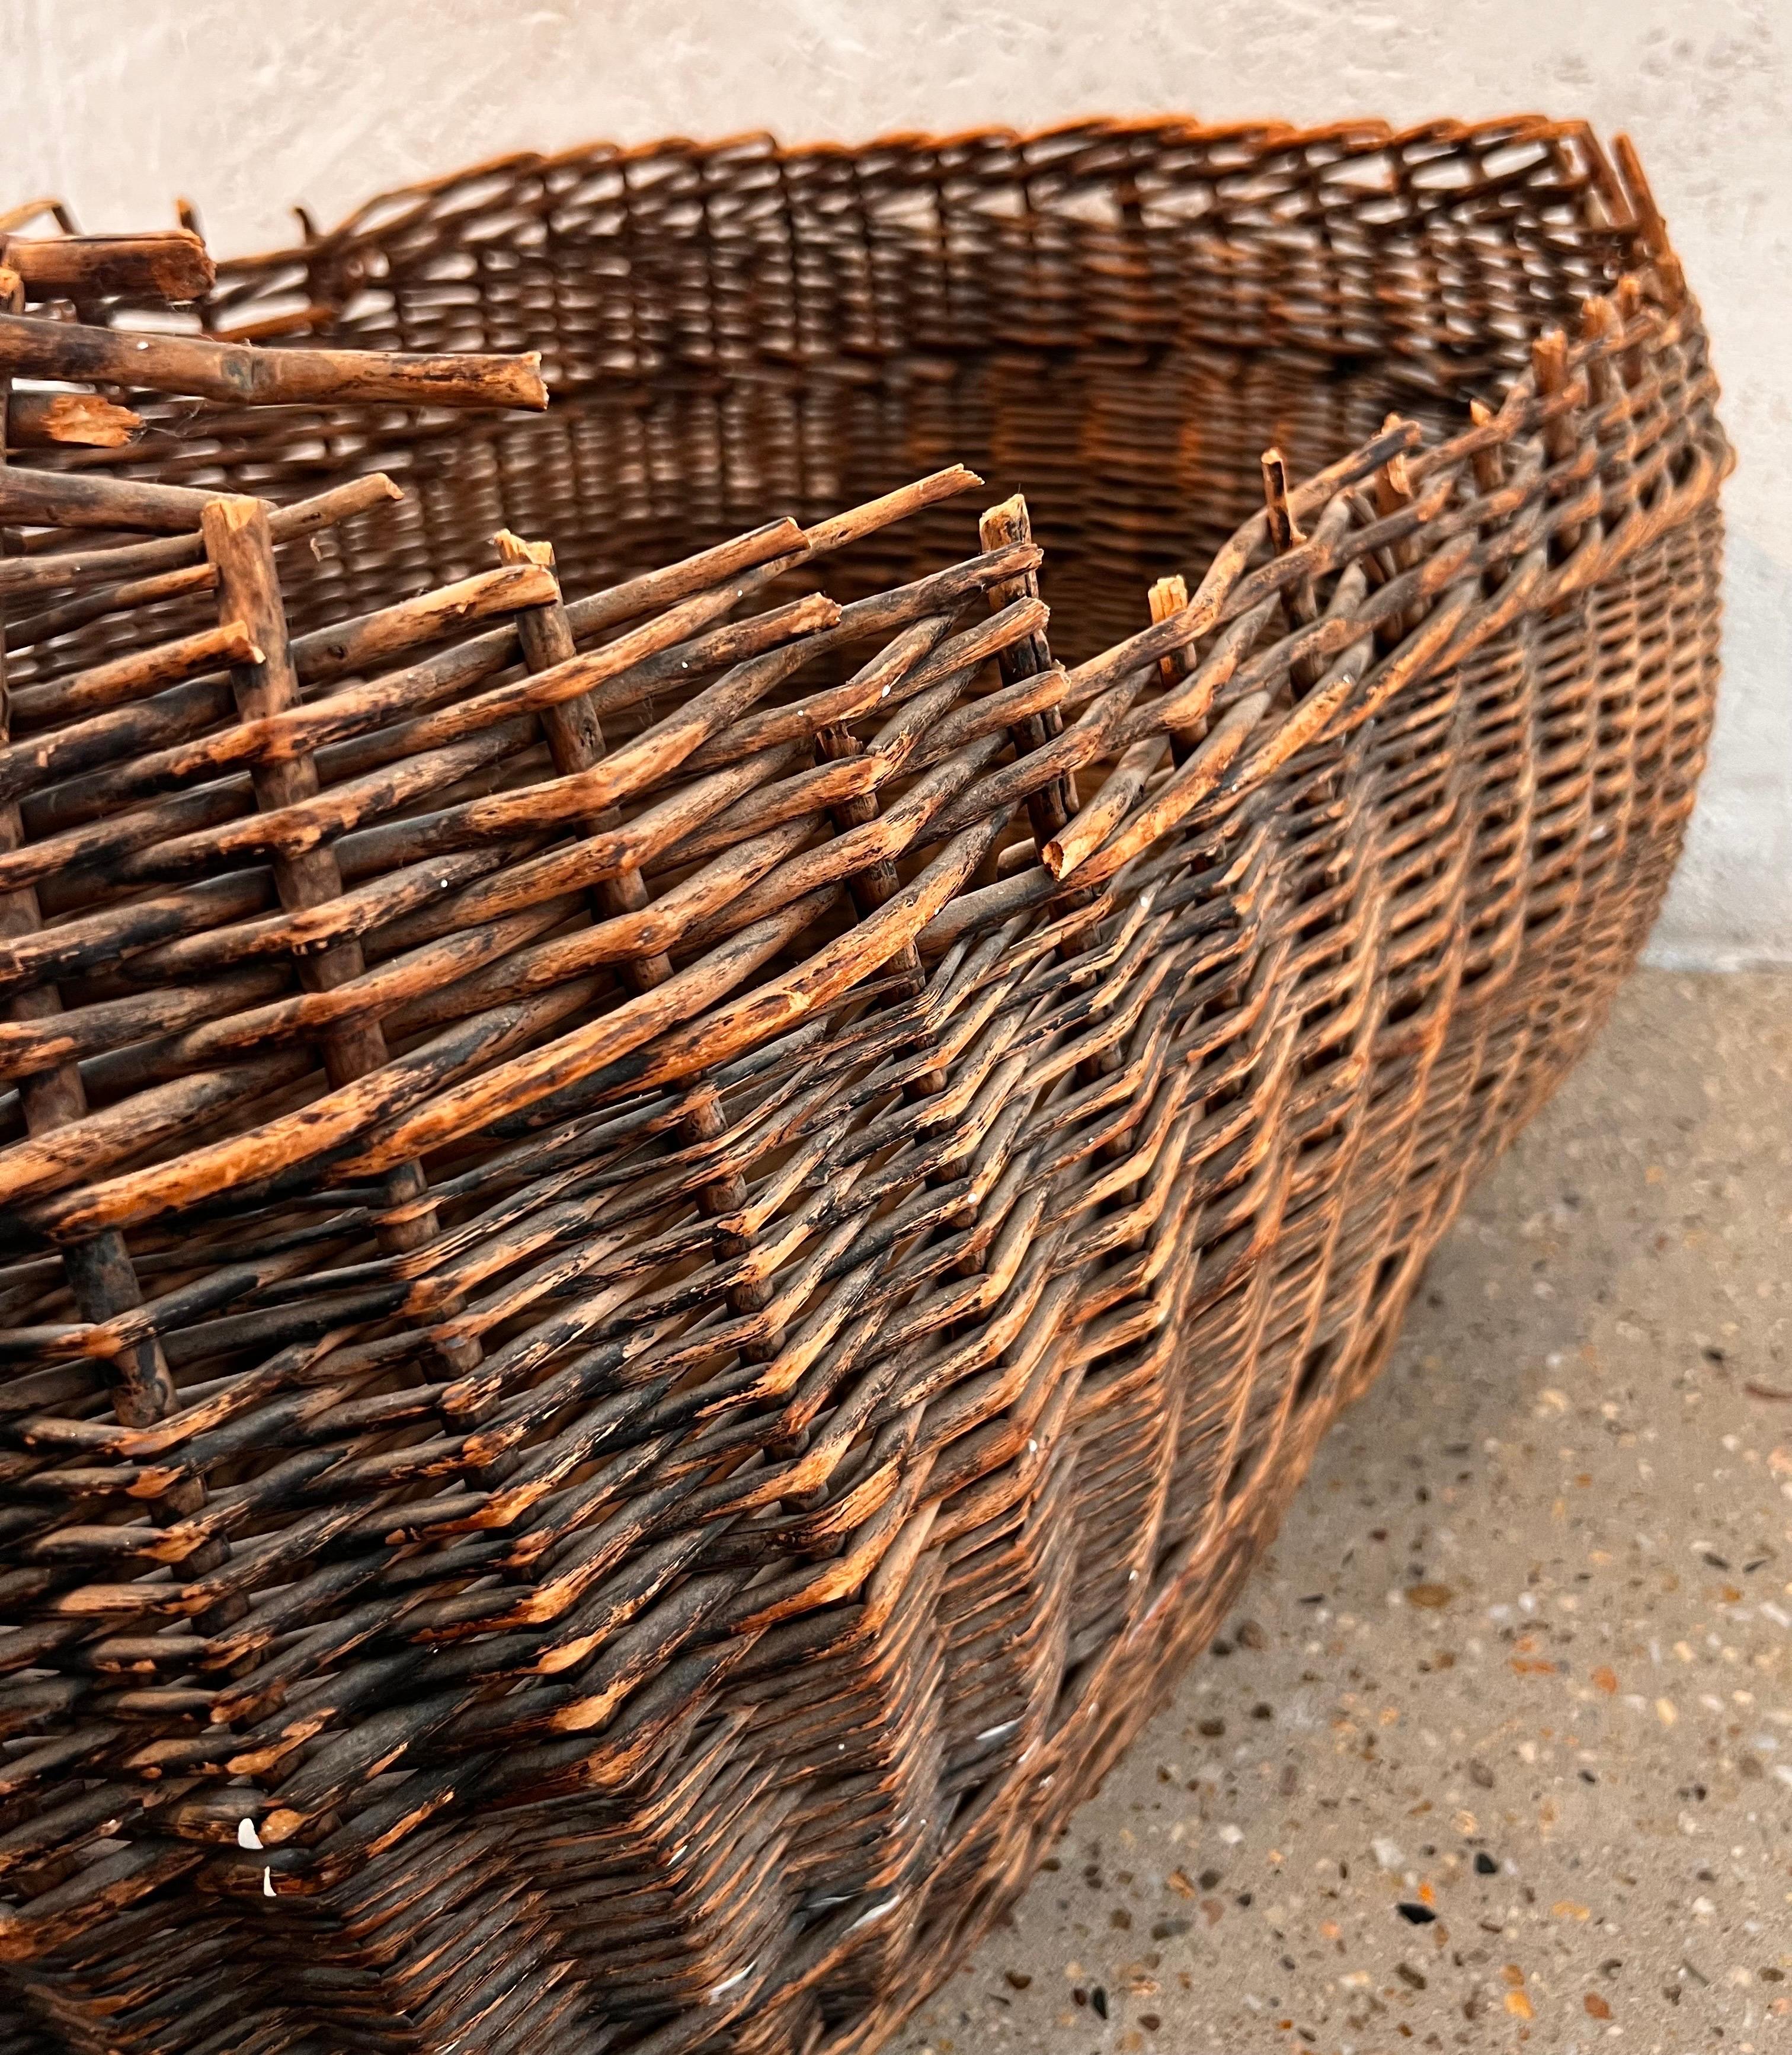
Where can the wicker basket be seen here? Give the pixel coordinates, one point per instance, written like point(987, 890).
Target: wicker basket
point(675, 1213)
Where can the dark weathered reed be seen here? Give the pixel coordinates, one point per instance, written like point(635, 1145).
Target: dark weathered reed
point(681, 1184)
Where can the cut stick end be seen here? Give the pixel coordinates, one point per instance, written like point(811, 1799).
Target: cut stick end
point(1408, 431)
point(35, 419)
point(183, 266)
point(1598, 315)
point(473, 380)
point(513, 549)
point(239, 646)
point(1169, 595)
point(1284, 529)
point(1007, 521)
point(1549, 360)
point(108, 434)
point(1057, 860)
point(229, 514)
point(906, 499)
point(168, 264)
point(1393, 484)
point(534, 383)
point(513, 384)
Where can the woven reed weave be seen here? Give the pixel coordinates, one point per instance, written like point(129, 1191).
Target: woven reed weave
point(675, 1212)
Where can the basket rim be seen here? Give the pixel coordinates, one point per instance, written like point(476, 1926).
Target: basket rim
point(396, 208)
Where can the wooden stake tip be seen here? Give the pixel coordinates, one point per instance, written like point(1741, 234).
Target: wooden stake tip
point(513, 549)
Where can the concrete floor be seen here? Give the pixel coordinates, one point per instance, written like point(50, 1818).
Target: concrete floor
point(1497, 1748)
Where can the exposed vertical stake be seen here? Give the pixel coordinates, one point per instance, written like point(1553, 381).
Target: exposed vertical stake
point(1299, 600)
point(575, 741)
point(240, 545)
point(102, 1278)
point(1168, 597)
point(1051, 807)
point(1393, 494)
point(1548, 364)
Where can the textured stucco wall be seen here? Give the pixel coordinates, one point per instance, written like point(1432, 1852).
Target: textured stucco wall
point(247, 105)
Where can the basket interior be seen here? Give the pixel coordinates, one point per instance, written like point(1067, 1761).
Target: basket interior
point(1116, 321)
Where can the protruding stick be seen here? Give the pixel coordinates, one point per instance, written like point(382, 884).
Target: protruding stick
point(42, 421)
point(133, 676)
point(101, 1281)
point(574, 734)
point(234, 372)
point(1049, 808)
point(1285, 530)
point(1299, 599)
point(1599, 324)
point(86, 499)
point(1549, 361)
point(369, 641)
point(1393, 493)
point(16, 218)
point(1629, 305)
point(1649, 222)
point(1548, 364)
point(1168, 597)
point(1489, 461)
point(239, 540)
point(1393, 485)
point(168, 264)
point(178, 554)
point(841, 529)
point(1104, 812)
point(575, 741)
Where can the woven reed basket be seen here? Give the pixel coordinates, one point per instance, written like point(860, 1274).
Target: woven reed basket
point(680, 1188)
